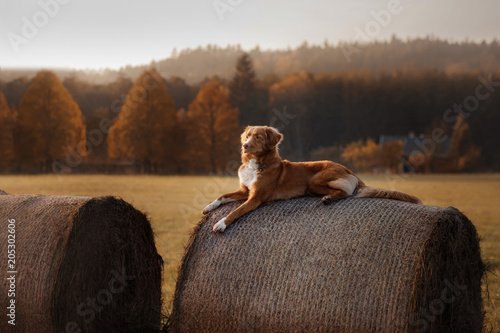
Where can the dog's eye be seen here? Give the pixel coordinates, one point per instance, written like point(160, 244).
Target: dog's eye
point(257, 137)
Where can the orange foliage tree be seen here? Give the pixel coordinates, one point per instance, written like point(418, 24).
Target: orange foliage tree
point(362, 156)
point(50, 126)
point(213, 134)
point(391, 155)
point(464, 156)
point(7, 121)
point(144, 130)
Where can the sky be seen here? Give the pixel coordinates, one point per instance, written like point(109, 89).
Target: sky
point(97, 34)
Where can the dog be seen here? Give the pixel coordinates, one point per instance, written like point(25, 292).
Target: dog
point(265, 177)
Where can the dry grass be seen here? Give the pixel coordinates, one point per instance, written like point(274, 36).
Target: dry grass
point(173, 205)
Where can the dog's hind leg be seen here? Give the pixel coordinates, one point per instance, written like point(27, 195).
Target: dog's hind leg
point(329, 194)
point(341, 188)
point(334, 195)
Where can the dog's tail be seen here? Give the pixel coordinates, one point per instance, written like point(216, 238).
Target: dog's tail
point(375, 192)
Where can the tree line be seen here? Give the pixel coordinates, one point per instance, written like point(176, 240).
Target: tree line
point(195, 64)
point(166, 125)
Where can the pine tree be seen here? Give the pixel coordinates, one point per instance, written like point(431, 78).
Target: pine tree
point(50, 126)
point(144, 130)
point(214, 129)
point(7, 121)
point(295, 96)
point(243, 90)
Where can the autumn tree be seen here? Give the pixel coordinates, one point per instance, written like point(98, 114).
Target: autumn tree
point(143, 132)
point(362, 156)
point(214, 130)
point(464, 156)
point(391, 154)
point(243, 92)
point(50, 127)
point(7, 121)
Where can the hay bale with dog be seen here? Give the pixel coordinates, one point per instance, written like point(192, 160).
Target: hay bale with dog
point(357, 265)
point(80, 264)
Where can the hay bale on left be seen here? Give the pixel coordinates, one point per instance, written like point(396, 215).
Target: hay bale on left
point(77, 264)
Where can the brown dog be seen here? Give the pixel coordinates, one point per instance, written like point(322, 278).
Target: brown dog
point(265, 177)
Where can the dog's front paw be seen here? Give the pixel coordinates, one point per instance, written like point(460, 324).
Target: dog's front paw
point(220, 226)
point(211, 207)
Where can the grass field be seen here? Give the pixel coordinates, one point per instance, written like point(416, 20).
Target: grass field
point(173, 204)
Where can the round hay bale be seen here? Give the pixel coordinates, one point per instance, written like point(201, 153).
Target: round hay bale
point(357, 265)
point(81, 263)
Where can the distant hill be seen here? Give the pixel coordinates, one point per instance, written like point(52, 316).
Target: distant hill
point(194, 65)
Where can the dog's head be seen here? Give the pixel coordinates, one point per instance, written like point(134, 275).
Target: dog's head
point(257, 140)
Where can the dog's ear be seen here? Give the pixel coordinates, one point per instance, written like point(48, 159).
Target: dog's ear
point(273, 137)
point(244, 134)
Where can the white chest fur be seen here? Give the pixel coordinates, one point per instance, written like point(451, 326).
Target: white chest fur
point(248, 175)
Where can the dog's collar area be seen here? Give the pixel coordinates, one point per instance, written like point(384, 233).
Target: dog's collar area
point(255, 166)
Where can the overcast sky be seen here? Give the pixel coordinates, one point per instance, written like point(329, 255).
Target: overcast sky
point(114, 33)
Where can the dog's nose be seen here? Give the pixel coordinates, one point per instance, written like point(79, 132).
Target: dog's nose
point(245, 145)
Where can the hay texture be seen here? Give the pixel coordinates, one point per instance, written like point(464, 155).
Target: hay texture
point(357, 265)
point(82, 263)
